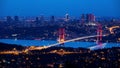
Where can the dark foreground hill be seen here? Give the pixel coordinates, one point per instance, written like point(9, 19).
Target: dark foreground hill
point(4, 46)
point(63, 57)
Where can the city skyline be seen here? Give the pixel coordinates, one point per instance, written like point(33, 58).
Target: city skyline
point(48, 8)
point(59, 34)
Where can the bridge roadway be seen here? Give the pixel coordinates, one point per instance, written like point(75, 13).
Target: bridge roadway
point(44, 47)
point(80, 38)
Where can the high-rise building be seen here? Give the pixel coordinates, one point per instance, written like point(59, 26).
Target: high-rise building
point(16, 18)
point(87, 17)
point(82, 19)
point(90, 18)
point(52, 19)
point(9, 19)
point(37, 19)
point(42, 19)
point(67, 17)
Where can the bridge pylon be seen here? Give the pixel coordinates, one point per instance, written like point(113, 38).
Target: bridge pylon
point(61, 36)
point(99, 33)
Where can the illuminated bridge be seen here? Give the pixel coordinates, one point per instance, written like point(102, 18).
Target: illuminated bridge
point(75, 39)
point(62, 40)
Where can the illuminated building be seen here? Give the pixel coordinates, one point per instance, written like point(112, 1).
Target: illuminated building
point(90, 18)
point(67, 17)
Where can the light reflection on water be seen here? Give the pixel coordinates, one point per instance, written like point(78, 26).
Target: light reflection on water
point(48, 42)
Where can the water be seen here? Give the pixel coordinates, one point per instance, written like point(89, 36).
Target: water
point(48, 42)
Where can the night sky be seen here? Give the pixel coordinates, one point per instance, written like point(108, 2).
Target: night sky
point(59, 7)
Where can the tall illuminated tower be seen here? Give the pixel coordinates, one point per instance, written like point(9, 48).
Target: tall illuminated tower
point(66, 17)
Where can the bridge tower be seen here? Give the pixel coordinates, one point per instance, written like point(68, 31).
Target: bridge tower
point(99, 33)
point(61, 36)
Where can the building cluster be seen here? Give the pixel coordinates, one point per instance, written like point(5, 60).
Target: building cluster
point(17, 21)
point(59, 57)
point(47, 28)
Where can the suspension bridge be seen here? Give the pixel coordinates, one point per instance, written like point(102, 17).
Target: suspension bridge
point(62, 40)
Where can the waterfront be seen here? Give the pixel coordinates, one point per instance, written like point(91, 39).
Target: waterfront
point(74, 44)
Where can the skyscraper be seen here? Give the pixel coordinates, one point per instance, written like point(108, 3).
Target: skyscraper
point(52, 19)
point(67, 17)
point(82, 19)
point(90, 18)
point(37, 19)
point(9, 19)
point(16, 18)
point(42, 19)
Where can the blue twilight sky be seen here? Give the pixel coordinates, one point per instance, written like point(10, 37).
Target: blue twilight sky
point(59, 7)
